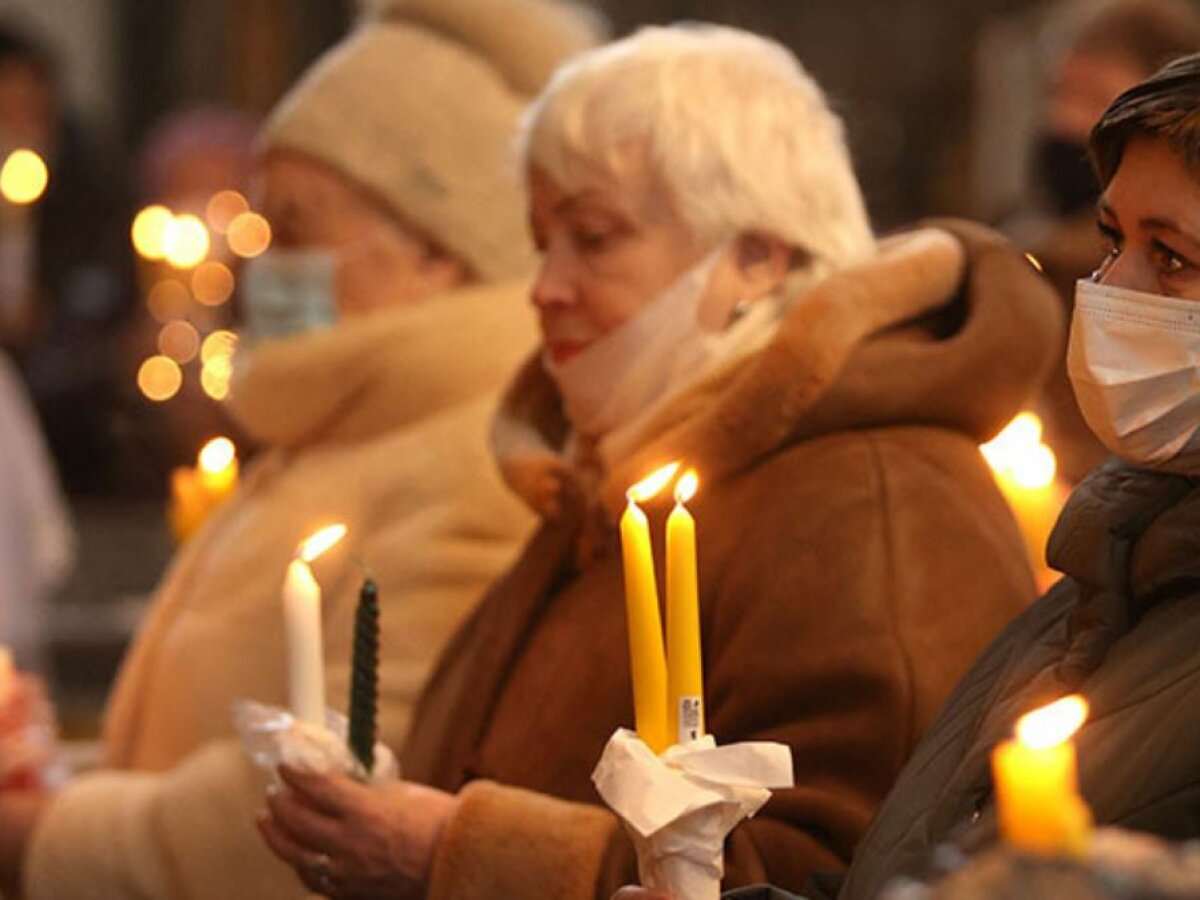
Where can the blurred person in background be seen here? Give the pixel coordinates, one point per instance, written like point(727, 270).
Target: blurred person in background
point(380, 326)
point(711, 292)
point(36, 537)
point(66, 284)
point(1106, 48)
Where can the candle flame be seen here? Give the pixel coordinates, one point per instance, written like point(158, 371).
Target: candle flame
point(316, 544)
point(1052, 724)
point(217, 454)
point(651, 485)
point(685, 488)
point(1018, 454)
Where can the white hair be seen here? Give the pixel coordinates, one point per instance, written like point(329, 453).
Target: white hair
point(738, 132)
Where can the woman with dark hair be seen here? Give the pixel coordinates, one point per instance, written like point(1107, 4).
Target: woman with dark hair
point(1123, 627)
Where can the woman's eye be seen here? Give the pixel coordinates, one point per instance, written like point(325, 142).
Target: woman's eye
point(1168, 261)
point(592, 238)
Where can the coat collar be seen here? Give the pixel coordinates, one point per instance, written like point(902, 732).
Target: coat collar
point(946, 325)
point(376, 373)
point(1128, 537)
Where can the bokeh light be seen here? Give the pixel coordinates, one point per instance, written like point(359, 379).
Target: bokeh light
point(168, 300)
point(185, 242)
point(223, 208)
point(212, 283)
point(180, 341)
point(249, 235)
point(214, 377)
point(149, 230)
point(218, 345)
point(159, 378)
point(24, 177)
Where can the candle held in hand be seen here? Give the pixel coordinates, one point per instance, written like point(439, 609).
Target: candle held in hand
point(1039, 807)
point(685, 678)
point(302, 626)
point(647, 661)
point(364, 683)
point(306, 664)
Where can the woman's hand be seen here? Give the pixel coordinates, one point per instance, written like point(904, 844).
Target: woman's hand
point(353, 842)
point(28, 728)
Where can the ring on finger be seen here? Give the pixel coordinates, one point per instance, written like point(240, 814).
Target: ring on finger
point(321, 872)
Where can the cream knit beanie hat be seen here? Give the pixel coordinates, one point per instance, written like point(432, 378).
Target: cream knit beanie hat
point(420, 105)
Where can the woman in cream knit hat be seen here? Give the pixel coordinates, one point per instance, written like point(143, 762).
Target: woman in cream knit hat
point(380, 325)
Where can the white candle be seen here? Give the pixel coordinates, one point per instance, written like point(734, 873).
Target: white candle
point(306, 664)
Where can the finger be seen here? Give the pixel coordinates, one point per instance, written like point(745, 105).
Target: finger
point(308, 827)
point(301, 860)
point(331, 794)
point(280, 842)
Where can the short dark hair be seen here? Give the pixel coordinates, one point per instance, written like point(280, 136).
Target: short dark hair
point(18, 46)
point(1166, 106)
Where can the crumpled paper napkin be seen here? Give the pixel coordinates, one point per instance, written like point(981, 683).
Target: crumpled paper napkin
point(679, 807)
point(271, 735)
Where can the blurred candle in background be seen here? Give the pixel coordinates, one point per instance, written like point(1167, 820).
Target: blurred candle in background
point(1025, 470)
point(197, 492)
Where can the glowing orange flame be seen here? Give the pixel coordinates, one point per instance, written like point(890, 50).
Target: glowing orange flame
point(1052, 724)
point(316, 544)
point(685, 488)
point(217, 454)
point(651, 485)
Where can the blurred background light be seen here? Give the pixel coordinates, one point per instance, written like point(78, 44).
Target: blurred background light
point(159, 378)
point(249, 235)
point(23, 178)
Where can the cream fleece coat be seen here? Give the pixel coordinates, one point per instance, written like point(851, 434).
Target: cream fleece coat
point(381, 424)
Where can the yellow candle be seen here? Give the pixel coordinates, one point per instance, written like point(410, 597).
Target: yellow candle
point(1037, 797)
point(302, 628)
point(189, 505)
point(647, 662)
point(685, 678)
point(218, 468)
point(1025, 470)
point(196, 493)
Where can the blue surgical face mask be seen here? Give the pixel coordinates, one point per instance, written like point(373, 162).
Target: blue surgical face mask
point(288, 292)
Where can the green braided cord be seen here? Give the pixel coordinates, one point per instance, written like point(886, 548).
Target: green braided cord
point(364, 684)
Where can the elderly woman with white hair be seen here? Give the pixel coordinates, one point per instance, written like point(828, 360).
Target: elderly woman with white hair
point(710, 290)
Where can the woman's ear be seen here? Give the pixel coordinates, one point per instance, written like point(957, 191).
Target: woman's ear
point(442, 271)
point(762, 262)
point(752, 267)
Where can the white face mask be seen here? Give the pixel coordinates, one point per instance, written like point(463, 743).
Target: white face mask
point(287, 292)
point(624, 372)
point(1134, 362)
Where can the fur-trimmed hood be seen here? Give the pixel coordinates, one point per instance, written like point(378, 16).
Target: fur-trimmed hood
point(947, 325)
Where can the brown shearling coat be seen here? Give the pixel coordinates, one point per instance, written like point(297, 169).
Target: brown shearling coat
point(854, 552)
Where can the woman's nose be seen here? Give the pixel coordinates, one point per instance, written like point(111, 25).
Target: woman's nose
point(1127, 270)
point(553, 285)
